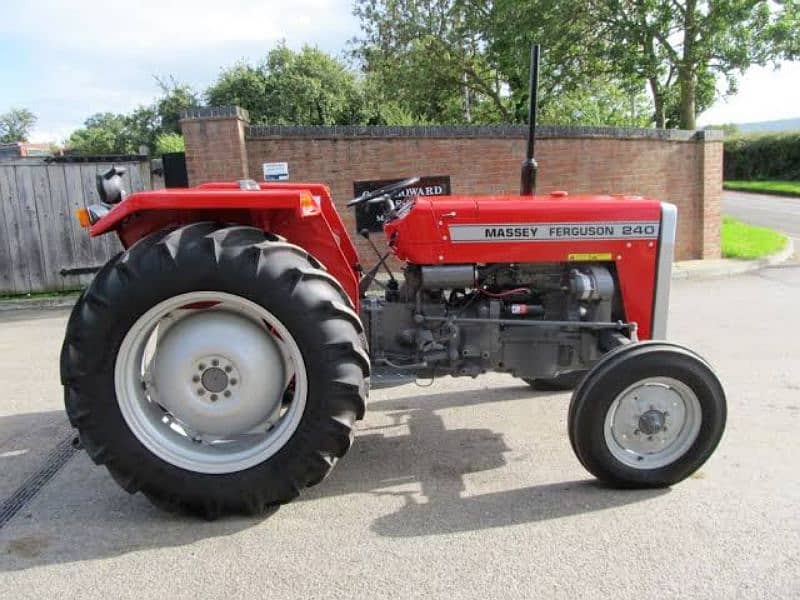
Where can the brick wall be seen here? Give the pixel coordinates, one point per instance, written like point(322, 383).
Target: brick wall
point(215, 143)
point(682, 167)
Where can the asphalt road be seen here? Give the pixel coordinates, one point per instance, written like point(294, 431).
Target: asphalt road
point(776, 212)
point(466, 489)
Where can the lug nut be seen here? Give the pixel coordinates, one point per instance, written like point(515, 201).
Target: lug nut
point(200, 391)
point(201, 366)
point(215, 362)
point(196, 378)
point(233, 381)
point(228, 369)
point(227, 393)
point(213, 397)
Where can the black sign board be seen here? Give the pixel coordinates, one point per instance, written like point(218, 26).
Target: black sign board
point(370, 216)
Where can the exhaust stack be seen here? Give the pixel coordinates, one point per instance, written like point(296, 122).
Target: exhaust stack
point(529, 166)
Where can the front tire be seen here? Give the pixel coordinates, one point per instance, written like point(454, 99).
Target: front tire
point(647, 415)
point(214, 425)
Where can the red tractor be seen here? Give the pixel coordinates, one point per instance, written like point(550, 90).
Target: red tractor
point(219, 363)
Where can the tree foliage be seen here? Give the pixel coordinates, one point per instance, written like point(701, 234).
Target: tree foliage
point(169, 142)
point(429, 57)
point(109, 133)
point(596, 50)
point(682, 48)
point(16, 125)
point(292, 88)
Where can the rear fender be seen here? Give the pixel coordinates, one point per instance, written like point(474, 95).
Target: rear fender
point(303, 214)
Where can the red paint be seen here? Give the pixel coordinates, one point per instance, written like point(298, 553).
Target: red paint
point(422, 237)
point(305, 215)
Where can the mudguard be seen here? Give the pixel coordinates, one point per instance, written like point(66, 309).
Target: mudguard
point(302, 213)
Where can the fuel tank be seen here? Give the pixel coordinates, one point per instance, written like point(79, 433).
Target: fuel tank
point(623, 232)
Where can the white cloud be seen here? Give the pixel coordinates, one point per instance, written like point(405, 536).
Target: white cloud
point(167, 25)
point(73, 59)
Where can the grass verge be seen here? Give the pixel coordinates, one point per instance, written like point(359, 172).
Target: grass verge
point(740, 240)
point(41, 295)
point(780, 188)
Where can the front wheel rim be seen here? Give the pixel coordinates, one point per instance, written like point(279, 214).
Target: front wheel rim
point(652, 423)
point(211, 382)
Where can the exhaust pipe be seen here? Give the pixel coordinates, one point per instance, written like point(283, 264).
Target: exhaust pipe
point(529, 166)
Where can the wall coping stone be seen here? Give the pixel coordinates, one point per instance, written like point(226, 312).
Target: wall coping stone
point(215, 112)
point(256, 132)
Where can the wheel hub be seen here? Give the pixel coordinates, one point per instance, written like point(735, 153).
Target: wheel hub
point(652, 422)
point(214, 380)
point(219, 375)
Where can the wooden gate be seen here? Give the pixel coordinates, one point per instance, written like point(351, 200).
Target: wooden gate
point(41, 243)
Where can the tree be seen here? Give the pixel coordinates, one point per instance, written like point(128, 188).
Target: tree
point(683, 47)
point(169, 142)
point(428, 55)
point(175, 98)
point(292, 88)
point(477, 50)
point(16, 125)
point(108, 133)
point(605, 104)
point(455, 61)
point(102, 133)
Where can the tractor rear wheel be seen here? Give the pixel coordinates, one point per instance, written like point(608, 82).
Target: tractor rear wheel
point(647, 415)
point(215, 369)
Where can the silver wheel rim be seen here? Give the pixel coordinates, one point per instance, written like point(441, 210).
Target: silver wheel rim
point(652, 423)
point(210, 382)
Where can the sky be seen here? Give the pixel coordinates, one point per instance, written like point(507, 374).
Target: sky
point(66, 60)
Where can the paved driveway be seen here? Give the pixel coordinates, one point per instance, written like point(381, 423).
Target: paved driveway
point(466, 489)
point(776, 212)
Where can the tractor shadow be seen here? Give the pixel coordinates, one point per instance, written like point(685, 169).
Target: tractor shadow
point(409, 457)
point(434, 461)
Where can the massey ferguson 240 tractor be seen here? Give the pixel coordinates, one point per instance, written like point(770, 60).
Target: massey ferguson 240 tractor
point(220, 362)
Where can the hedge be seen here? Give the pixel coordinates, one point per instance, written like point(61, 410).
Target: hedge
point(773, 156)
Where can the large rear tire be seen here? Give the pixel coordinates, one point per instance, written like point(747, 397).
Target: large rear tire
point(647, 415)
point(215, 369)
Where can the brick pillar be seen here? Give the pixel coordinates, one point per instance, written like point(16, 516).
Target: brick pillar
point(215, 143)
point(710, 192)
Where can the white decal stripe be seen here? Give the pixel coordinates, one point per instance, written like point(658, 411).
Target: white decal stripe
point(550, 232)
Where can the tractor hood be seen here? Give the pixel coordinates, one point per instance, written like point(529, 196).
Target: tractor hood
point(466, 229)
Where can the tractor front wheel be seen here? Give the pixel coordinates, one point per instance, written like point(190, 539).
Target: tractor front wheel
point(647, 415)
point(214, 369)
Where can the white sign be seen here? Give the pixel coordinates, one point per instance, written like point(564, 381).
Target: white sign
point(534, 232)
point(276, 171)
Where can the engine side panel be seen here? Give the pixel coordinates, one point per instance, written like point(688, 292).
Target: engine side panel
point(505, 229)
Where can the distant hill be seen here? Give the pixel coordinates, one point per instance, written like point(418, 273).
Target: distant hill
point(781, 125)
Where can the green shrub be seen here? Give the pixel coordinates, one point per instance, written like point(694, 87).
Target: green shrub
point(774, 156)
point(169, 142)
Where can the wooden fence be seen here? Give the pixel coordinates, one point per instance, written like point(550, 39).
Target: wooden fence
point(39, 235)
